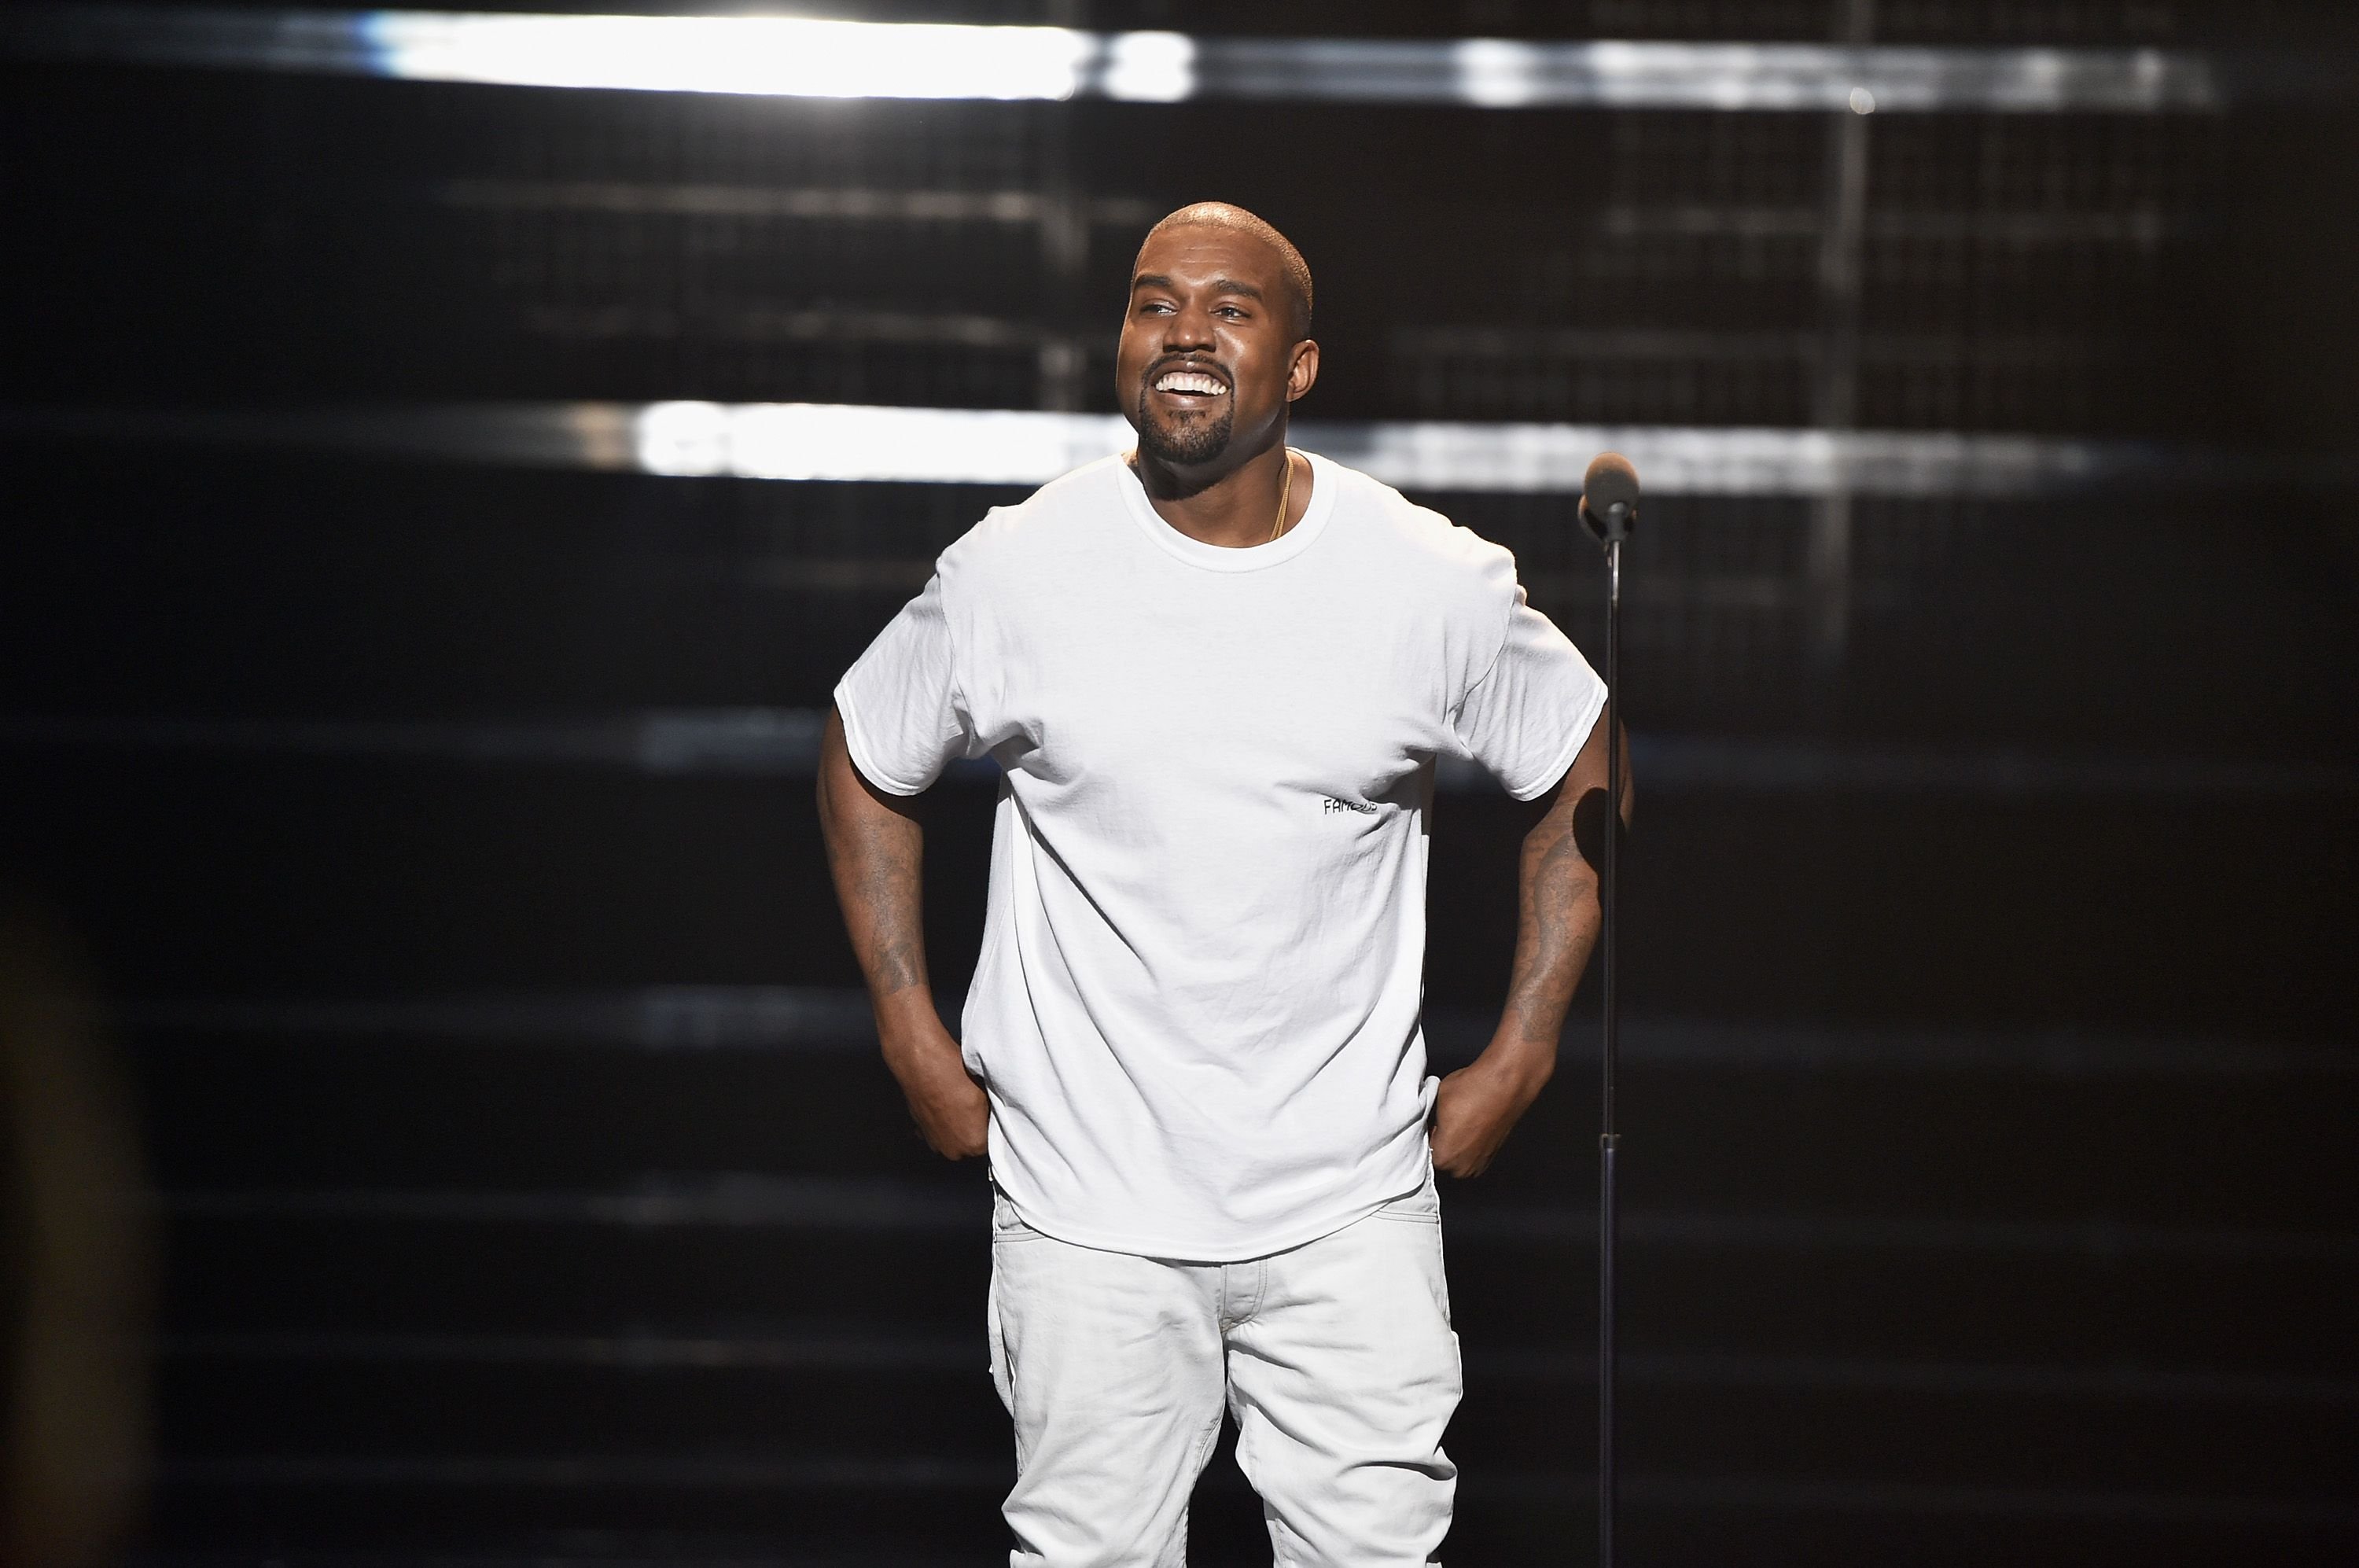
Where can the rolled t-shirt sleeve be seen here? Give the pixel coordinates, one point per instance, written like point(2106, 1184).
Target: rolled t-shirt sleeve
point(1528, 716)
point(904, 715)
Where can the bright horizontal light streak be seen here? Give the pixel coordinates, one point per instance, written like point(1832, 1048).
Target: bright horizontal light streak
point(1014, 446)
point(1024, 447)
point(808, 56)
point(779, 57)
point(1150, 68)
point(821, 440)
point(1496, 74)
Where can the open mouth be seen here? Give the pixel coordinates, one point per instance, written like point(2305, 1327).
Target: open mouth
point(1187, 384)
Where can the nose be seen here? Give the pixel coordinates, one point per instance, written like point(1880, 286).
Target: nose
point(1186, 329)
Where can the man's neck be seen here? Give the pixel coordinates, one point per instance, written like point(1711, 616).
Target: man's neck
point(1233, 509)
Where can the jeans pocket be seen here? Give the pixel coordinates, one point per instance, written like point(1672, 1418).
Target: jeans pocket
point(1006, 1225)
point(1420, 1207)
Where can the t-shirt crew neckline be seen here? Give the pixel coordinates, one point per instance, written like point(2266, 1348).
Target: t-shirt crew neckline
point(1226, 558)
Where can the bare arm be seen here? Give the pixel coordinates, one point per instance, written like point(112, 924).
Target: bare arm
point(1557, 926)
point(877, 850)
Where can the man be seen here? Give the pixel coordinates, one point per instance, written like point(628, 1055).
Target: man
point(1216, 674)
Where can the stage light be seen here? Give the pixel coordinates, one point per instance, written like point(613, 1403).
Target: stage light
point(1493, 73)
point(859, 442)
point(775, 56)
point(1150, 68)
point(810, 58)
point(840, 442)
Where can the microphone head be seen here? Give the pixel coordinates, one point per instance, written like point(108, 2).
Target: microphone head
point(1609, 496)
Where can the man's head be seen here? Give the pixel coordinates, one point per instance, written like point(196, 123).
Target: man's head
point(1216, 341)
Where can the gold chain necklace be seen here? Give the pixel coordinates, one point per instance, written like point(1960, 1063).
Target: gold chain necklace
point(1285, 488)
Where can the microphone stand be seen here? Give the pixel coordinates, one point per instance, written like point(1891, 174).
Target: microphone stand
point(1614, 484)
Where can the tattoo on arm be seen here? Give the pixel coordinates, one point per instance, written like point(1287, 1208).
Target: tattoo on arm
point(897, 947)
point(877, 850)
point(1559, 917)
point(1557, 924)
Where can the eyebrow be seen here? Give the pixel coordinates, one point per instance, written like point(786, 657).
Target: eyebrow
point(1219, 285)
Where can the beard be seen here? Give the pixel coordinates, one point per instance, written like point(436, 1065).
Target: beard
point(1188, 443)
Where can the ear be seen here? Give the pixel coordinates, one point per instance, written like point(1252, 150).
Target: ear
point(1302, 371)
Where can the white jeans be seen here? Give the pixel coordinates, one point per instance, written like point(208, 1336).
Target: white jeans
point(1336, 1357)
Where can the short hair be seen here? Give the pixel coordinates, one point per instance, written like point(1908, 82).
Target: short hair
point(1223, 215)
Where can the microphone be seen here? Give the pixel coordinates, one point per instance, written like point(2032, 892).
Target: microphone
point(1609, 497)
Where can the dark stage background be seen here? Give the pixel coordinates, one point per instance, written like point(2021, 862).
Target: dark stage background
point(427, 816)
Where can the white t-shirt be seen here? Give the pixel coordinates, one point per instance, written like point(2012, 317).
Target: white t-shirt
point(1196, 1007)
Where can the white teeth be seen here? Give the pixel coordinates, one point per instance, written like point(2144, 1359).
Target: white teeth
point(1189, 381)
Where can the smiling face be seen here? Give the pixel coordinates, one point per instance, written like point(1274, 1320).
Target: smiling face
point(1210, 357)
